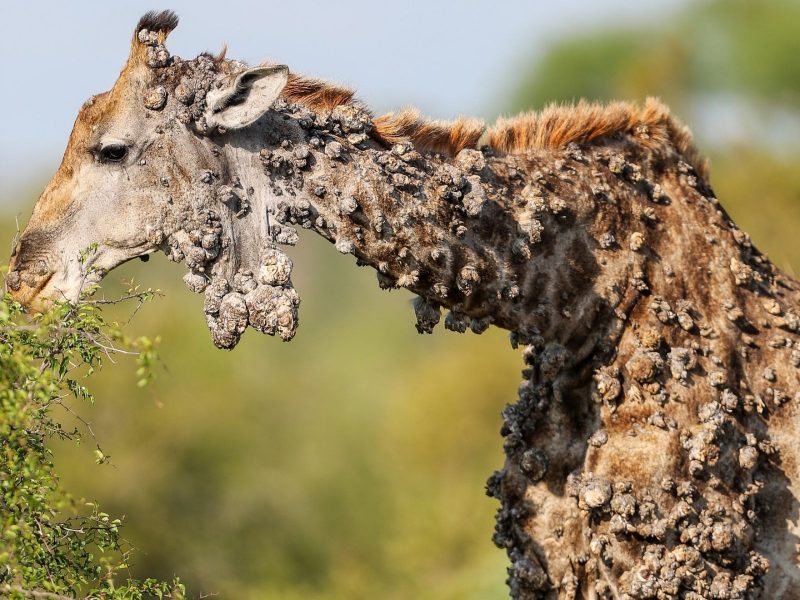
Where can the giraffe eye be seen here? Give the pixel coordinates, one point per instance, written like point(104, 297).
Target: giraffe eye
point(113, 153)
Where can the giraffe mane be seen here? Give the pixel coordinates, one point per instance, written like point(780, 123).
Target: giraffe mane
point(426, 135)
point(316, 94)
point(445, 137)
point(555, 126)
point(558, 125)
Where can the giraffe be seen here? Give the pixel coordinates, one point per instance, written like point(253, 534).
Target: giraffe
point(652, 452)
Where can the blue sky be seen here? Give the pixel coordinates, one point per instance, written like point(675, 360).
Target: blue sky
point(448, 58)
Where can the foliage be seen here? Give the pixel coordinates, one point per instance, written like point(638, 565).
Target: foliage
point(53, 545)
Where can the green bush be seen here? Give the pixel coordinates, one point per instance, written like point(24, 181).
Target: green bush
point(52, 544)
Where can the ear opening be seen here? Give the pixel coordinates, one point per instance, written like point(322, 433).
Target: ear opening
point(244, 101)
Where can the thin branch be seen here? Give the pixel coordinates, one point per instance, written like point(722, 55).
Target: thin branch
point(108, 346)
point(33, 593)
point(141, 296)
point(83, 421)
point(16, 234)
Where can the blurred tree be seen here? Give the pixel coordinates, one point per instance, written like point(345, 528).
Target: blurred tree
point(716, 47)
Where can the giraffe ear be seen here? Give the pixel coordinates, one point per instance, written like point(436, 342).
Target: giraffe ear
point(250, 95)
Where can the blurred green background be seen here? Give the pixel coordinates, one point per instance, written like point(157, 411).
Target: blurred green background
point(351, 462)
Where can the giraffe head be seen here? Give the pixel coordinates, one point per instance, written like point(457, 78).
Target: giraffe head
point(142, 170)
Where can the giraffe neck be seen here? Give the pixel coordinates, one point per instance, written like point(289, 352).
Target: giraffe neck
point(494, 239)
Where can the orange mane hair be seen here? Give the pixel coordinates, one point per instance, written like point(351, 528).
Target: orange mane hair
point(316, 94)
point(558, 125)
point(553, 127)
point(445, 137)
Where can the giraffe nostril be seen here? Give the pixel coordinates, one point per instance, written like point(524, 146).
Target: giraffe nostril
point(13, 281)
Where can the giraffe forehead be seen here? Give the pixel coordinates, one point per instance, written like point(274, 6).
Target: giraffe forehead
point(96, 111)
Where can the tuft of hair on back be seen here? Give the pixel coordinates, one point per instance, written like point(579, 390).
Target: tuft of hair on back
point(444, 137)
point(558, 125)
point(219, 58)
point(162, 22)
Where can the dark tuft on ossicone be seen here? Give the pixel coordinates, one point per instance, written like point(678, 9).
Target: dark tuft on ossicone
point(163, 22)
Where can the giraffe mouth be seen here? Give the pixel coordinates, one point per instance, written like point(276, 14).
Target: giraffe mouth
point(28, 295)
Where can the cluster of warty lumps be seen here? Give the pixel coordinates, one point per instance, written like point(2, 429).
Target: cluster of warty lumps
point(265, 300)
point(653, 460)
point(188, 81)
point(450, 230)
point(239, 292)
point(425, 222)
point(637, 458)
point(257, 295)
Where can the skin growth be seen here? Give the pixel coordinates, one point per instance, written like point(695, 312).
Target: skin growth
point(652, 452)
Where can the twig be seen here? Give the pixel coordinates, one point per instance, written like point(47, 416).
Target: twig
point(84, 422)
point(33, 593)
point(141, 296)
point(16, 234)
